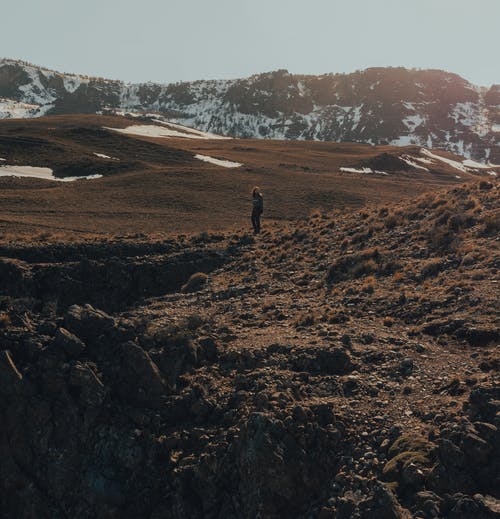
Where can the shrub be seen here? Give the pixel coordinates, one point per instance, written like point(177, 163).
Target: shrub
point(194, 321)
point(432, 268)
point(491, 223)
point(4, 320)
point(405, 451)
point(472, 203)
point(398, 276)
point(362, 236)
point(354, 265)
point(484, 185)
point(393, 220)
point(305, 319)
point(442, 239)
point(438, 201)
point(315, 214)
point(195, 283)
point(388, 321)
point(369, 285)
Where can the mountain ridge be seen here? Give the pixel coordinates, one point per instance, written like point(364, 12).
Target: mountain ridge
point(378, 105)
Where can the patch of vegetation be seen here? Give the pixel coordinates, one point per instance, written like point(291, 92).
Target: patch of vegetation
point(405, 451)
point(195, 283)
point(4, 320)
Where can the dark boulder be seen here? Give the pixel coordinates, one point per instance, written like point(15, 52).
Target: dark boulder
point(70, 343)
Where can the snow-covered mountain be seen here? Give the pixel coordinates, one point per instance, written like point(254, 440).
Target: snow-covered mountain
point(398, 106)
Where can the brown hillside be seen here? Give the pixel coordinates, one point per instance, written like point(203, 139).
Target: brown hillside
point(154, 185)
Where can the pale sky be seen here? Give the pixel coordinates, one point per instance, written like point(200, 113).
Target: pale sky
point(182, 40)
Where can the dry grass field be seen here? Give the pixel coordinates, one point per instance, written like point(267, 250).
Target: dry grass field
point(156, 186)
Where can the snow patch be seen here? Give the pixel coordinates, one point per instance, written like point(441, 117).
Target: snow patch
point(450, 162)
point(495, 127)
point(218, 162)
point(71, 83)
point(492, 173)
point(362, 170)
point(35, 172)
point(403, 140)
point(10, 109)
point(410, 162)
point(102, 156)
point(425, 161)
point(203, 135)
point(153, 130)
point(477, 165)
point(413, 121)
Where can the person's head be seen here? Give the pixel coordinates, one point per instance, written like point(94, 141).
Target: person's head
point(256, 191)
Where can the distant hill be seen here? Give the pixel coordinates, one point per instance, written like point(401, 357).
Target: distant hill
point(148, 176)
point(431, 108)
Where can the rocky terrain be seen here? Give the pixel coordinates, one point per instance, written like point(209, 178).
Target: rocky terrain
point(431, 108)
point(343, 366)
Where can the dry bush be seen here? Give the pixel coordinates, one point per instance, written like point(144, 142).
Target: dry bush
point(305, 319)
point(354, 265)
point(4, 320)
point(368, 285)
point(43, 236)
point(442, 240)
point(425, 201)
point(398, 276)
point(491, 223)
point(439, 201)
point(315, 214)
point(196, 282)
point(460, 221)
point(194, 321)
point(472, 203)
point(414, 215)
point(300, 235)
point(393, 220)
point(432, 268)
point(388, 321)
point(168, 334)
point(362, 236)
point(443, 215)
point(484, 185)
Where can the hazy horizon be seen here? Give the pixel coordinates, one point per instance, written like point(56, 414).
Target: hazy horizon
point(194, 40)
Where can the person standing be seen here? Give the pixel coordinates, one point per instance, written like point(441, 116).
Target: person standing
point(257, 209)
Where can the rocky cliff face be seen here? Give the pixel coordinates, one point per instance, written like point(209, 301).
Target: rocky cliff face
point(378, 105)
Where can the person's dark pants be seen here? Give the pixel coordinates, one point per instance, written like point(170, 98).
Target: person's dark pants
point(256, 221)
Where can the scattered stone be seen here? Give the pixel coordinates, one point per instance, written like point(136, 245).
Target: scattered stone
point(69, 342)
point(87, 322)
point(406, 367)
